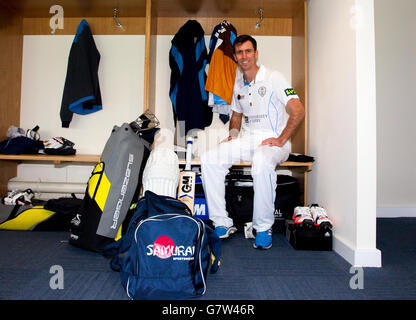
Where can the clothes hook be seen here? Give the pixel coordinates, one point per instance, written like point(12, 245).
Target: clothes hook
point(260, 11)
point(115, 13)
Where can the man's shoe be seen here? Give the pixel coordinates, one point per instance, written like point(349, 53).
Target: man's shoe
point(224, 232)
point(19, 197)
point(302, 217)
point(320, 217)
point(263, 240)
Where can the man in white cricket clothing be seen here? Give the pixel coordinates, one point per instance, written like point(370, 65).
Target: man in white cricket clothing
point(266, 113)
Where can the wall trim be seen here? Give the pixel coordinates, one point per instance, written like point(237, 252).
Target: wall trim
point(357, 257)
point(396, 212)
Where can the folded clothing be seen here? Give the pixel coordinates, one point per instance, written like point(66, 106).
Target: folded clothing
point(300, 158)
point(14, 132)
point(20, 145)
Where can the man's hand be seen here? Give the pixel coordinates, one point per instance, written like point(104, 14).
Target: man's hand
point(273, 142)
point(235, 126)
point(297, 113)
point(227, 139)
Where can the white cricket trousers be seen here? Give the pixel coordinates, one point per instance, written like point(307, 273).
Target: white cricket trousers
point(214, 167)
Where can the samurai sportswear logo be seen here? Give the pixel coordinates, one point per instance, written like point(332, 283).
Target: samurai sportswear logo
point(290, 92)
point(122, 191)
point(164, 248)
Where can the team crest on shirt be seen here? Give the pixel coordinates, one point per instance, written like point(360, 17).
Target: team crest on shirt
point(262, 91)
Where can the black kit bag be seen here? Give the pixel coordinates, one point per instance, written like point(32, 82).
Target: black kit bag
point(239, 196)
point(52, 215)
point(113, 188)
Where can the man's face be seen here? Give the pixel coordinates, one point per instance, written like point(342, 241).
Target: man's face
point(245, 55)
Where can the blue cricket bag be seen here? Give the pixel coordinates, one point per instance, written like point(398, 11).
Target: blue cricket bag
point(166, 252)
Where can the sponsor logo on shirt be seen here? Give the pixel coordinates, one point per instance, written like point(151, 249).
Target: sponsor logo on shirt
point(290, 92)
point(255, 118)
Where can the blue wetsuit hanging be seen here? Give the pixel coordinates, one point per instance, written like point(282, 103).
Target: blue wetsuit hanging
point(187, 60)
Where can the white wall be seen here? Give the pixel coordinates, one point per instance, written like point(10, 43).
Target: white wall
point(121, 70)
point(396, 113)
point(121, 76)
point(342, 123)
point(274, 52)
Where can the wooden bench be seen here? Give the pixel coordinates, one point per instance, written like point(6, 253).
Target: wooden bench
point(298, 169)
point(94, 158)
point(87, 158)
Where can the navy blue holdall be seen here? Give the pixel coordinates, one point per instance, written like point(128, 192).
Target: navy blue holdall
point(166, 252)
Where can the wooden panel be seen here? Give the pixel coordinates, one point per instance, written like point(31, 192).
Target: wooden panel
point(150, 59)
point(302, 177)
point(8, 170)
point(227, 8)
point(299, 81)
point(269, 26)
point(299, 75)
point(130, 25)
point(11, 43)
point(79, 8)
point(163, 8)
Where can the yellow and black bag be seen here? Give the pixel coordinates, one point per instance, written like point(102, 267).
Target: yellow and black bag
point(53, 215)
point(113, 187)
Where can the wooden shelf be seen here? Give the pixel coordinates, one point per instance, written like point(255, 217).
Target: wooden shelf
point(94, 158)
point(307, 165)
point(87, 158)
point(302, 168)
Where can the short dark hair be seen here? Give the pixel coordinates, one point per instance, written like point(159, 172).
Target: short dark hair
point(243, 38)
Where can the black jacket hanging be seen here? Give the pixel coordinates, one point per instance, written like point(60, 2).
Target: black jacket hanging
point(82, 93)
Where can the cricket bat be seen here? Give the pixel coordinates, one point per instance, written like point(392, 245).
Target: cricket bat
point(186, 188)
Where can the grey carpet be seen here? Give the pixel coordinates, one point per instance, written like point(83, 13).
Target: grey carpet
point(281, 273)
